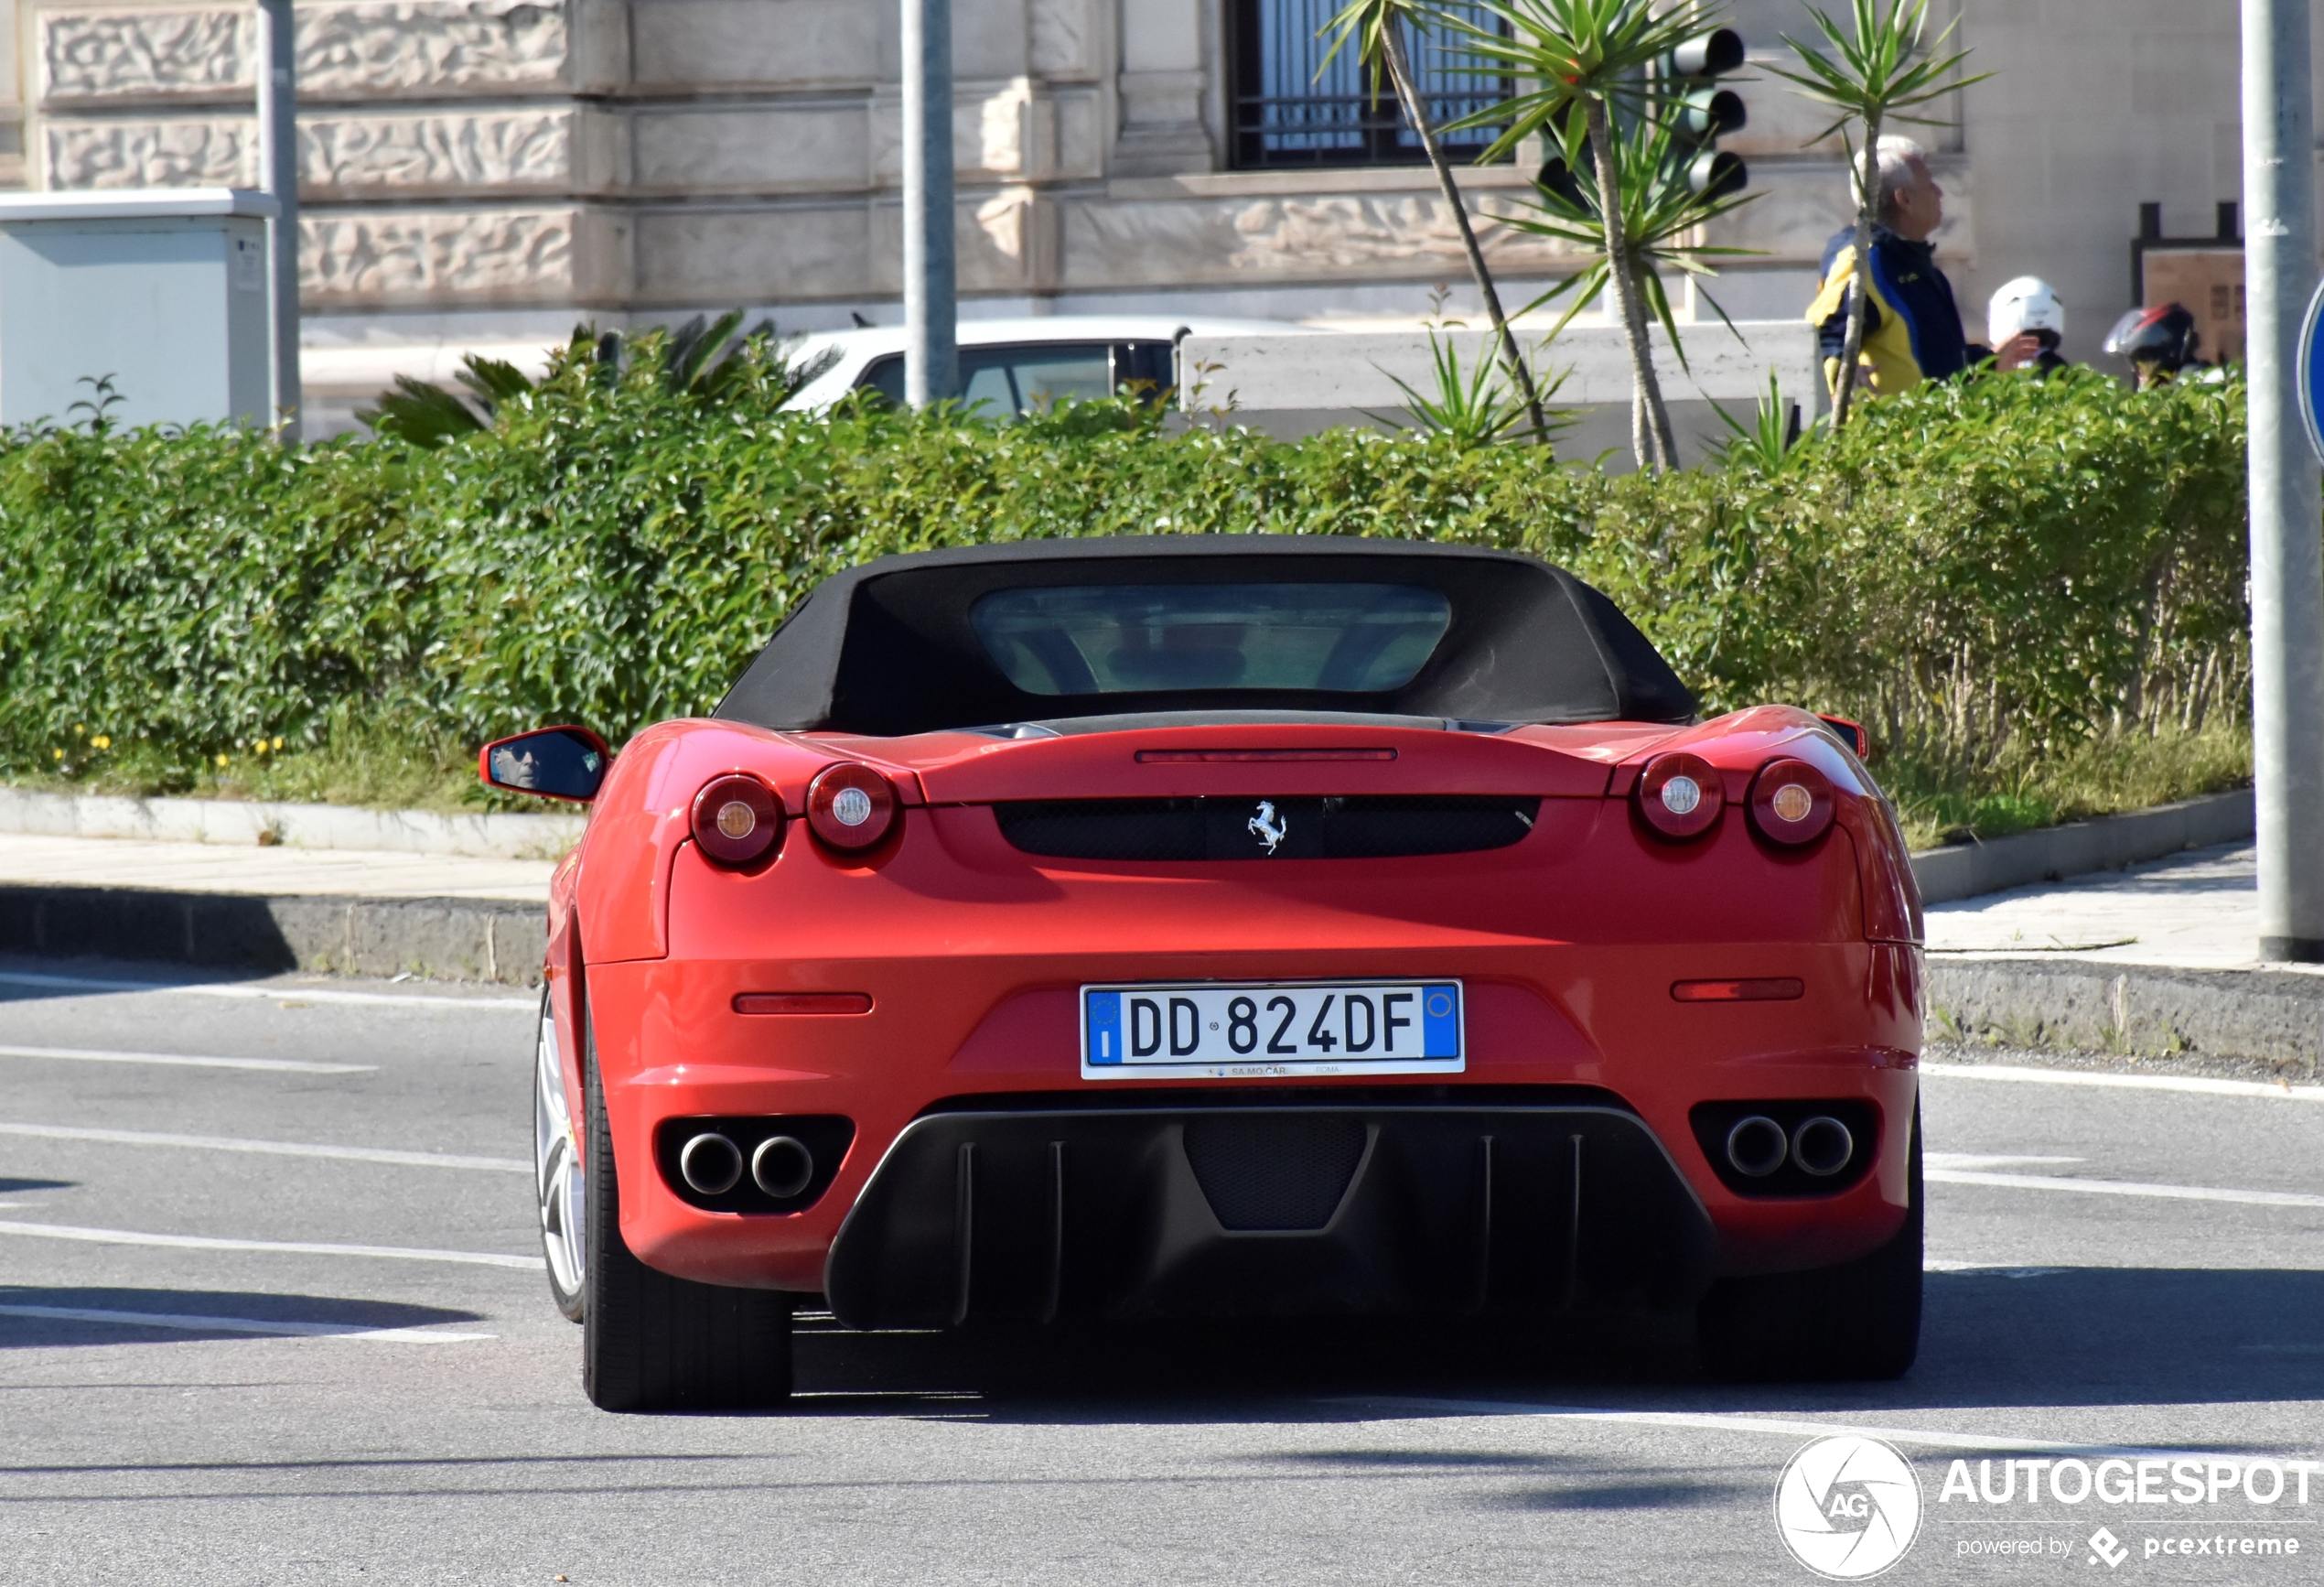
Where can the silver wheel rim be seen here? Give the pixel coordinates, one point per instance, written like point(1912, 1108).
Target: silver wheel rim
point(556, 1169)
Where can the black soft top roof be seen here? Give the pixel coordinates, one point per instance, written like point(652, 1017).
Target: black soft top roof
point(887, 648)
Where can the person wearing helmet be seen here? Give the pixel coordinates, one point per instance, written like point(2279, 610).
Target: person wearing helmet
point(2026, 322)
point(2158, 343)
point(1912, 328)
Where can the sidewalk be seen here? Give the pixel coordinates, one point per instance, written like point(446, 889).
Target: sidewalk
point(2158, 960)
point(2195, 910)
point(27, 861)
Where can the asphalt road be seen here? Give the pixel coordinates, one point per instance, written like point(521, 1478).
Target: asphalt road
point(446, 1439)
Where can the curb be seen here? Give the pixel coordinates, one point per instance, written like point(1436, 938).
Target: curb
point(2102, 843)
point(436, 938)
point(2273, 1016)
point(504, 940)
point(505, 836)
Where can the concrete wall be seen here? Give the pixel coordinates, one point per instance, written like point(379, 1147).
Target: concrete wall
point(1296, 384)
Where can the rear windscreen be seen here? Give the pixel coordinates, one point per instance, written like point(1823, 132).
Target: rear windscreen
point(1099, 639)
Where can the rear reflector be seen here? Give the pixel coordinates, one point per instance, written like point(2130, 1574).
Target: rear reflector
point(802, 1002)
point(1183, 757)
point(1765, 990)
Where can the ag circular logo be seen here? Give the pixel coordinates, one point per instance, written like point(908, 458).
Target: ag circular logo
point(1848, 1507)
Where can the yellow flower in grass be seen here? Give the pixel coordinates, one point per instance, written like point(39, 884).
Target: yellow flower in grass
point(101, 741)
point(223, 759)
point(60, 754)
point(278, 743)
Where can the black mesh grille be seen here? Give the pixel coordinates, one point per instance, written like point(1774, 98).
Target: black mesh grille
point(1106, 828)
point(1274, 1174)
point(1366, 826)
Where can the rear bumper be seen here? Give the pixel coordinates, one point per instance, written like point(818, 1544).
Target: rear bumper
point(1153, 1210)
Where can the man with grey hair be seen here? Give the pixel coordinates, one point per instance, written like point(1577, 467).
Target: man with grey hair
point(1912, 329)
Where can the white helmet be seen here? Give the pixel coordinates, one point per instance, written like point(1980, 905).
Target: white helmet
point(2028, 303)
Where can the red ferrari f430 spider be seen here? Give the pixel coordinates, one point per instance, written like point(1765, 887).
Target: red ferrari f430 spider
point(1201, 926)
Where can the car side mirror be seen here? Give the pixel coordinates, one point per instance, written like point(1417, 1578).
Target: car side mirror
point(553, 762)
point(1853, 736)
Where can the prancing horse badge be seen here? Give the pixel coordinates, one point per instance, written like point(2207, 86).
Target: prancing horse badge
point(1267, 827)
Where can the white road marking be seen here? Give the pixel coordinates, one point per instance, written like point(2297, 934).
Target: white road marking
point(297, 1247)
point(2027, 1076)
point(191, 1324)
point(187, 1061)
point(1977, 1159)
point(272, 1147)
point(2114, 1187)
point(262, 994)
point(1714, 1422)
point(1991, 1269)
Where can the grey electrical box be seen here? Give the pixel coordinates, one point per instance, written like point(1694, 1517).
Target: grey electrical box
point(163, 290)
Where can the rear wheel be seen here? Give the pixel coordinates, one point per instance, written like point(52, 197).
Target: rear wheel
point(650, 1341)
point(1860, 1321)
point(557, 1181)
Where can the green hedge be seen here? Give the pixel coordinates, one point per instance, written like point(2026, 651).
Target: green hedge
point(1971, 569)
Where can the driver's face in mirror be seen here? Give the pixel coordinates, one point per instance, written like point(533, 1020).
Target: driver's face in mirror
point(512, 768)
point(556, 762)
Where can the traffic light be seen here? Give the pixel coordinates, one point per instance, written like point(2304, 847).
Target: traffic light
point(1687, 103)
point(1700, 112)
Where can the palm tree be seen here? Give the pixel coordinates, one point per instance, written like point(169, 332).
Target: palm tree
point(1377, 27)
point(1578, 59)
point(1868, 79)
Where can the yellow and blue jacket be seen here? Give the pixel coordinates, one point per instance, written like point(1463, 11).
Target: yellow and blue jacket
point(1912, 330)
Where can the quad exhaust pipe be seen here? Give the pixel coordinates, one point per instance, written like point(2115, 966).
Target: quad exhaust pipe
point(1756, 1146)
point(712, 1165)
point(782, 1167)
point(1820, 1147)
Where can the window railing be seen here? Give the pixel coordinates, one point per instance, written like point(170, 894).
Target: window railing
point(1282, 113)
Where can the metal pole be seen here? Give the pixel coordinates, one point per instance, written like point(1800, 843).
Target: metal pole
point(278, 175)
point(932, 352)
point(2287, 523)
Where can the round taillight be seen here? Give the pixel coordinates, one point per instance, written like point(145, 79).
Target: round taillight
point(850, 807)
point(1790, 802)
point(1680, 796)
point(737, 820)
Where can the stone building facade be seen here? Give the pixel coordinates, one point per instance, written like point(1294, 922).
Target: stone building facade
point(487, 171)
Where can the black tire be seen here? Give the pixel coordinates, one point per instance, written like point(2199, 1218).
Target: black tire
point(649, 1342)
point(1859, 1321)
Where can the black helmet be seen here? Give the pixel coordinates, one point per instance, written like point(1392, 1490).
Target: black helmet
point(2162, 338)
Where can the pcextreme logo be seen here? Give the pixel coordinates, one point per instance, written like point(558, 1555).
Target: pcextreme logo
point(1848, 1507)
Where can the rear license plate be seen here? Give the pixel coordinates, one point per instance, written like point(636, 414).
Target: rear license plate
point(1215, 1029)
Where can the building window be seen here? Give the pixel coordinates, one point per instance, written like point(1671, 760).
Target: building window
point(1284, 115)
